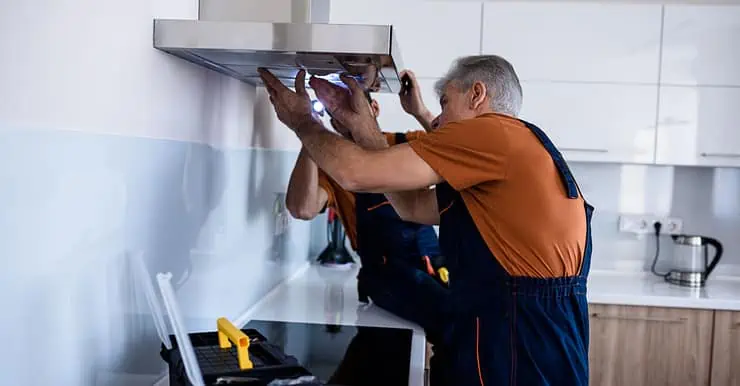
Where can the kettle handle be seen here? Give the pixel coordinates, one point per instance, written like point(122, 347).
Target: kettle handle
point(717, 255)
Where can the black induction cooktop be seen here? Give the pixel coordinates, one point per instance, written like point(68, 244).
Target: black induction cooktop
point(344, 355)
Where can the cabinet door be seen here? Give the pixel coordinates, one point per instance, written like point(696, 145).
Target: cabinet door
point(701, 45)
point(726, 353)
point(595, 122)
point(699, 126)
point(392, 117)
point(576, 42)
point(651, 346)
point(430, 34)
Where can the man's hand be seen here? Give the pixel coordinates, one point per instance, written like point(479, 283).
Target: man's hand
point(292, 108)
point(348, 107)
point(411, 99)
point(341, 129)
point(352, 114)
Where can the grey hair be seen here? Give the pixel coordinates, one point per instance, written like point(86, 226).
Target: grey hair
point(495, 72)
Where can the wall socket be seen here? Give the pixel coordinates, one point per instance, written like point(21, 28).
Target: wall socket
point(643, 224)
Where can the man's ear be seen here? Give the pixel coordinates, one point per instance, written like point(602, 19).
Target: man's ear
point(375, 106)
point(479, 93)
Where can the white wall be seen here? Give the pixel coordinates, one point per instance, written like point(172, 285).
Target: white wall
point(707, 199)
point(586, 108)
point(111, 148)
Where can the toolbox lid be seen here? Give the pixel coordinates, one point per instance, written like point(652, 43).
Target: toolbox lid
point(192, 369)
point(164, 280)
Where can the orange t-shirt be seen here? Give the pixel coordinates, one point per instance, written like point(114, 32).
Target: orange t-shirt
point(343, 201)
point(513, 191)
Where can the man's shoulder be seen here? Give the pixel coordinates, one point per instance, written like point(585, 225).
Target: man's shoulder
point(485, 124)
point(335, 191)
point(499, 124)
point(499, 119)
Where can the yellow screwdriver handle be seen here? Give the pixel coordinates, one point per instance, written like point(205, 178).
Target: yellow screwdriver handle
point(444, 275)
point(227, 334)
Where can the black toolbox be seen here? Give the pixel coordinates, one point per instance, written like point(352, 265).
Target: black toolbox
point(221, 366)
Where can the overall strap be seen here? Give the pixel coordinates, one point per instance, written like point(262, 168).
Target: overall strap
point(586, 265)
point(571, 187)
point(566, 176)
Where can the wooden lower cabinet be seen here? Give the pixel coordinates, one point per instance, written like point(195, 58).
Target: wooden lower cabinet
point(651, 346)
point(726, 351)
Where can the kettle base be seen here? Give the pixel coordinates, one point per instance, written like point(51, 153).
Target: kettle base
point(685, 279)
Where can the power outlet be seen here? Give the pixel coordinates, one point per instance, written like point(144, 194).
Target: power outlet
point(644, 224)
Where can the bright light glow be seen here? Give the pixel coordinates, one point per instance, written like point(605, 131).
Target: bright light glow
point(317, 106)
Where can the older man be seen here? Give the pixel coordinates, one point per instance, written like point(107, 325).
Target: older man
point(509, 209)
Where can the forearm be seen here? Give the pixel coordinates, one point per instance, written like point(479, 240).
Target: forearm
point(391, 169)
point(304, 199)
point(370, 138)
point(425, 119)
point(419, 206)
point(336, 156)
point(412, 205)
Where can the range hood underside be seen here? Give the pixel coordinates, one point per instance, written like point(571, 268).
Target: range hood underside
point(237, 49)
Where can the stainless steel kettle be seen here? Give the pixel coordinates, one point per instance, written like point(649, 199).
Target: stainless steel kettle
point(691, 263)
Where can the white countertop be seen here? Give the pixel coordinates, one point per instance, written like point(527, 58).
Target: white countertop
point(318, 294)
point(645, 289)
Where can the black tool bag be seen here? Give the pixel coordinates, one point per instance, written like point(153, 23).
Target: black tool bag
point(220, 366)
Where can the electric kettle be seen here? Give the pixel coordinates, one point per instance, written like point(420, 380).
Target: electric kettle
point(691, 263)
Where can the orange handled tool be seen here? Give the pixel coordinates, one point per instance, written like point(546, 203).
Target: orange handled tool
point(442, 273)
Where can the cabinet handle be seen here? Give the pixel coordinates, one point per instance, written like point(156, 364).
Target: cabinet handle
point(674, 121)
point(720, 155)
point(640, 318)
point(584, 150)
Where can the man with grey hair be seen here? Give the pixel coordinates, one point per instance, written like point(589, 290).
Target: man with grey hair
point(496, 73)
point(510, 214)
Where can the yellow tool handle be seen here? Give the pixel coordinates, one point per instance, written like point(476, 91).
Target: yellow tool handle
point(444, 275)
point(227, 334)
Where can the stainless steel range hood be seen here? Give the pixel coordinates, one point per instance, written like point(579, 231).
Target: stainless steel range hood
point(239, 45)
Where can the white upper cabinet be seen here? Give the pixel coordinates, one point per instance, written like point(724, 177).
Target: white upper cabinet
point(701, 45)
point(431, 34)
point(699, 126)
point(392, 117)
point(594, 42)
point(595, 122)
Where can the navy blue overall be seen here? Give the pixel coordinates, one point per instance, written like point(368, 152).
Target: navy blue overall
point(393, 272)
point(513, 330)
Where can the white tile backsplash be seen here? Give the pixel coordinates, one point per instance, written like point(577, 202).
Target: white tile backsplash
point(111, 148)
point(76, 206)
point(707, 199)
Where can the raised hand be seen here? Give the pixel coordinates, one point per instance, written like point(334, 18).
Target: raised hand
point(410, 95)
point(292, 108)
point(347, 106)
